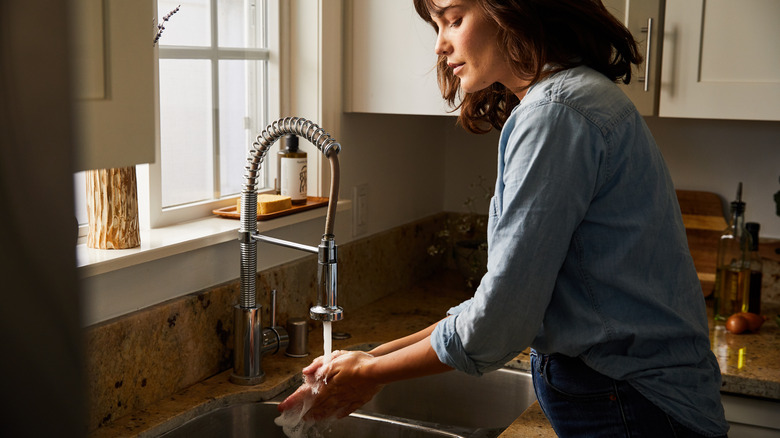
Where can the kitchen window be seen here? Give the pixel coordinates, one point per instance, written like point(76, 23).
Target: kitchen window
point(184, 247)
point(218, 88)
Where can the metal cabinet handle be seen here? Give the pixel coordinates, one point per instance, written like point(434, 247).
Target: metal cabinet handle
point(649, 30)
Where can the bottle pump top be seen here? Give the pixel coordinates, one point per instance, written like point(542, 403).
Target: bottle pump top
point(291, 142)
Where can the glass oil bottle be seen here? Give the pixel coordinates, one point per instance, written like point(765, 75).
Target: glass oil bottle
point(732, 274)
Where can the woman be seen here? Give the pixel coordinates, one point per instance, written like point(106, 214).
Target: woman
point(587, 256)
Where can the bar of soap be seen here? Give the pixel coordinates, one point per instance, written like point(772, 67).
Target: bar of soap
point(272, 203)
point(267, 204)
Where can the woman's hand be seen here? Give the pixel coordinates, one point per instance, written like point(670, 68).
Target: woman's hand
point(335, 389)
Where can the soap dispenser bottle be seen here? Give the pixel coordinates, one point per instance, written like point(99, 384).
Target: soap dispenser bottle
point(732, 269)
point(291, 171)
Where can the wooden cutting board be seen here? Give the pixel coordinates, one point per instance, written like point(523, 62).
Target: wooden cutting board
point(703, 216)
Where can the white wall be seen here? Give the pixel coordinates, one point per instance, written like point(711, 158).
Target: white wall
point(715, 155)
point(401, 159)
point(468, 156)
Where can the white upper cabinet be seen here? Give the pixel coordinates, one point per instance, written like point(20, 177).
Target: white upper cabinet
point(390, 61)
point(709, 59)
point(721, 59)
point(114, 82)
point(645, 21)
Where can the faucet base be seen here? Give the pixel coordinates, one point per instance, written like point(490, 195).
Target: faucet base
point(247, 381)
point(247, 346)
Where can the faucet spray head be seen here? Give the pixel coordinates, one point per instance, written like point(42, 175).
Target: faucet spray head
point(327, 308)
point(321, 313)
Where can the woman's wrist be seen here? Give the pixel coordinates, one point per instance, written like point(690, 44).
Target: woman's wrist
point(400, 343)
point(381, 350)
point(370, 370)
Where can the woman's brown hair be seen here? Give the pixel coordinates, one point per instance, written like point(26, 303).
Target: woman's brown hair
point(540, 38)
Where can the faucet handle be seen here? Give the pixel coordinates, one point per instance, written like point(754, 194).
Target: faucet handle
point(273, 307)
point(274, 337)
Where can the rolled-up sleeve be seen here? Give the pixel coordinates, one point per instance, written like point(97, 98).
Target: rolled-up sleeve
point(549, 163)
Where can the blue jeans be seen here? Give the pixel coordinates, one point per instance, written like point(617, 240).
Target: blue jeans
point(580, 402)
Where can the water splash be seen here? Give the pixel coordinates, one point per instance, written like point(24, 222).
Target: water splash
point(291, 421)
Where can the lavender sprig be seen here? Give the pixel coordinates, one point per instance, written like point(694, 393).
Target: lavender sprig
point(161, 26)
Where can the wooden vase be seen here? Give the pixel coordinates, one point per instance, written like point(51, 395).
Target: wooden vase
point(112, 208)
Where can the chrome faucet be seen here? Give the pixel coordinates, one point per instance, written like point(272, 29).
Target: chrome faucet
point(251, 341)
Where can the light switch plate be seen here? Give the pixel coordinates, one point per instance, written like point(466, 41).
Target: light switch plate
point(360, 210)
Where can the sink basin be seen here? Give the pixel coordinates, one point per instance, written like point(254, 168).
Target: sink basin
point(492, 401)
point(446, 405)
point(256, 420)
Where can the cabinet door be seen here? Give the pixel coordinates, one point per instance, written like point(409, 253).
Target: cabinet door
point(114, 78)
point(391, 64)
point(721, 59)
point(645, 21)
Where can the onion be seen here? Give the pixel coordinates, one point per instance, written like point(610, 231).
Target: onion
point(737, 324)
point(754, 321)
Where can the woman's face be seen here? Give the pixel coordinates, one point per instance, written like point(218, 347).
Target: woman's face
point(469, 41)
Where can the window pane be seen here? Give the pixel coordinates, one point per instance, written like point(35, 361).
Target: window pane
point(191, 26)
point(186, 131)
point(239, 119)
point(240, 23)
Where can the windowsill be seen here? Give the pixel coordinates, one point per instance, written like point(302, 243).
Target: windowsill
point(167, 241)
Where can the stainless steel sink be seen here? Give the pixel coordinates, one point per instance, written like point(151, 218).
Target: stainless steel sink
point(490, 402)
point(256, 420)
point(447, 405)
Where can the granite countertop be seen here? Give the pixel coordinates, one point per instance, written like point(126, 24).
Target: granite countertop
point(750, 363)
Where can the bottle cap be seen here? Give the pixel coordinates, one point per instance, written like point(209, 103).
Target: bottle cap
point(291, 142)
point(738, 206)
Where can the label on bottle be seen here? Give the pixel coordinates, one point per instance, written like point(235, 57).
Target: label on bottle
point(293, 178)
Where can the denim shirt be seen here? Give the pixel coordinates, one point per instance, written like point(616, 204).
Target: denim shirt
point(587, 254)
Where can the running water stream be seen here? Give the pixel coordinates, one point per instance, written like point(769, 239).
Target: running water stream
point(327, 339)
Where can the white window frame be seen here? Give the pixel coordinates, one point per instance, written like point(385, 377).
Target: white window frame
point(152, 213)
